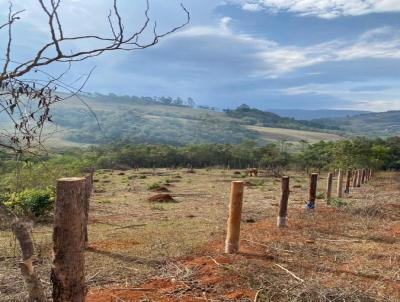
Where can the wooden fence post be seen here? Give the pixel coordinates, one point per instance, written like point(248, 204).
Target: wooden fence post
point(329, 182)
point(363, 176)
point(340, 184)
point(88, 193)
point(32, 280)
point(312, 191)
point(348, 181)
point(359, 174)
point(355, 176)
point(235, 215)
point(281, 221)
point(68, 270)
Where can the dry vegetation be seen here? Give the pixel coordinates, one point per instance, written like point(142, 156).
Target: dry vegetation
point(148, 251)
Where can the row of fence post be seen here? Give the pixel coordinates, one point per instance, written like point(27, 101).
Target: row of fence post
point(353, 178)
point(70, 236)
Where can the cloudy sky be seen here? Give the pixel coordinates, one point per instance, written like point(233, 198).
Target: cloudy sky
point(310, 54)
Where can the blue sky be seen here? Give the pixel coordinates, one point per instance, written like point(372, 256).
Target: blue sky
point(337, 54)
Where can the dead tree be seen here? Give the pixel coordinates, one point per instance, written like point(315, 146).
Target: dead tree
point(26, 98)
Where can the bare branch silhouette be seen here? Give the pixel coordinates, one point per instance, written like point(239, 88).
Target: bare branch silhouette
point(26, 102)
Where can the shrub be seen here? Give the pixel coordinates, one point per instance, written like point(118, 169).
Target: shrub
point(338, 202)
point(31, 202)
point(154, 186)
point(320, 195)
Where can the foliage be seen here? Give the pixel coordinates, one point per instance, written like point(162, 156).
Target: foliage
point(338, 202)
point(357, 153)
point(30, 202)
point(154, 186)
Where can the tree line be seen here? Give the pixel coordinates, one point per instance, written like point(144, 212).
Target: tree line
point(344, 154)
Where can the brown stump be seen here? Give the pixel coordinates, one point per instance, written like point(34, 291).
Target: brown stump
point(312, 196)
point(329, 182)
point(363, 174)
point(340, 184)
point(68, 270)
point(235, 214)
point(348, 182)
point(281, 221)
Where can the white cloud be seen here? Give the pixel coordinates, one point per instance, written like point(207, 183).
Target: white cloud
point(274, 60)
point(327, 9)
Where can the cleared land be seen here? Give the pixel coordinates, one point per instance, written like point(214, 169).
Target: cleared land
point(144, 251)
point(279, 134)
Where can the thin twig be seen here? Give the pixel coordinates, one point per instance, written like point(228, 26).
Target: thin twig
point(289, 272)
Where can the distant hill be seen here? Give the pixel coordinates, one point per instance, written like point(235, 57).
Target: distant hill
point(302, 114)
point(379, 124)
point(252, 116)
point(144, 120)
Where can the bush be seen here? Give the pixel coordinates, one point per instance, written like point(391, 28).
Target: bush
point(31, 202)
point(154, 186)
point(338, 202)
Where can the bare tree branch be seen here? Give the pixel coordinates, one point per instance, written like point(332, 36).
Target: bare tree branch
point(26, 102)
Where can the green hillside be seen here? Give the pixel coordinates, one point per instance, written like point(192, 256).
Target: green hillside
point(381, 124)
point(167, 121)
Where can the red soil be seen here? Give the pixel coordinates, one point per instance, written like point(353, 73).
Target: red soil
point(219, 277)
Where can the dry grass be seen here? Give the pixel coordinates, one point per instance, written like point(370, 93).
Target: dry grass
point(343, 254)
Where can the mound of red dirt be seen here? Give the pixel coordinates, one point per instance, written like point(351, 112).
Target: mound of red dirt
point(161, 198)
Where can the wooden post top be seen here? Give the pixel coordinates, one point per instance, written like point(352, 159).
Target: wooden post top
point(70, 179)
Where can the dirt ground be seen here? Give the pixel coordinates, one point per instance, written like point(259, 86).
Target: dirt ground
point(146, 251)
